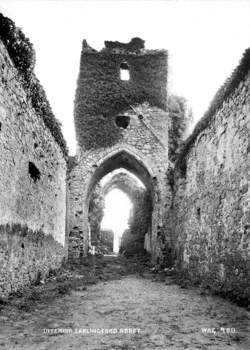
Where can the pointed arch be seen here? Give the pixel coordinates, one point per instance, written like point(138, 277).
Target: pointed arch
point(93, 166)
point(123, 181)
point(127, 159)
point(122, 158)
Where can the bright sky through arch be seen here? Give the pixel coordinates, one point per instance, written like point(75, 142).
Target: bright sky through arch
point(205, 40)
point(117, 211)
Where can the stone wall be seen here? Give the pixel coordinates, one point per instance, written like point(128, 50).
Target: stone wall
point(120, 124)
point(107, 240)
point(96, 213)
point(132, 240)
point(139, 222)
point(211, 207)
point(101, 94)
point(32, 187)
point(92, 166)
point(123, 181)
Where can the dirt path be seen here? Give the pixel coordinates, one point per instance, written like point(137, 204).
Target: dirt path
point(137, 313)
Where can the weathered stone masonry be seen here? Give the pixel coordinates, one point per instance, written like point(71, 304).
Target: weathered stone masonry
point(102, 99)
point(200, 212)
point(32, 187)
point(212, 201)
point(132, 241)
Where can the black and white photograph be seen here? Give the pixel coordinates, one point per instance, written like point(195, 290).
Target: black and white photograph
point(124, 174)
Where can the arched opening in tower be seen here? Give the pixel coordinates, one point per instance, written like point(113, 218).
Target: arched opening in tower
point(124, 71)
point(120, 206)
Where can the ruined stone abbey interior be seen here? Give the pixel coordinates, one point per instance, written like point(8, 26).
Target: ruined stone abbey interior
point(190, 195)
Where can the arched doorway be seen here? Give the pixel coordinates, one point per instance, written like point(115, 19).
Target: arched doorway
point(124, 124)
point(85, 181)
point(122, 160)
point(126, 216)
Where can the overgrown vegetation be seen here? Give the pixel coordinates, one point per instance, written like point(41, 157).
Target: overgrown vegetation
point(180, 118)
point(226, 90)
point(100, 96)
point(22, 54)
point(74, 276)
point(23, 231)
point(96, 213)
point(71, 162)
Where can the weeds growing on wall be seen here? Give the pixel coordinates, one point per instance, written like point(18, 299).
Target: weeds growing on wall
point(226, 90)
point(96, 213)
point(180, 118)
point(101, 95)
point(22, 54)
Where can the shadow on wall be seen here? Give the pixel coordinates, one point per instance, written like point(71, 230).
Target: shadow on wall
point(132, 242)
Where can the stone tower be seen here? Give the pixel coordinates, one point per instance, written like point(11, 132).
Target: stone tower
point(120, 122)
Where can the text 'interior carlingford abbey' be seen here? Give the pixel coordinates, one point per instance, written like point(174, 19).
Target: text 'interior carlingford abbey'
point(191, 203)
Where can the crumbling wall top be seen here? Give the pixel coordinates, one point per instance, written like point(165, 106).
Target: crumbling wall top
point(135, 45)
